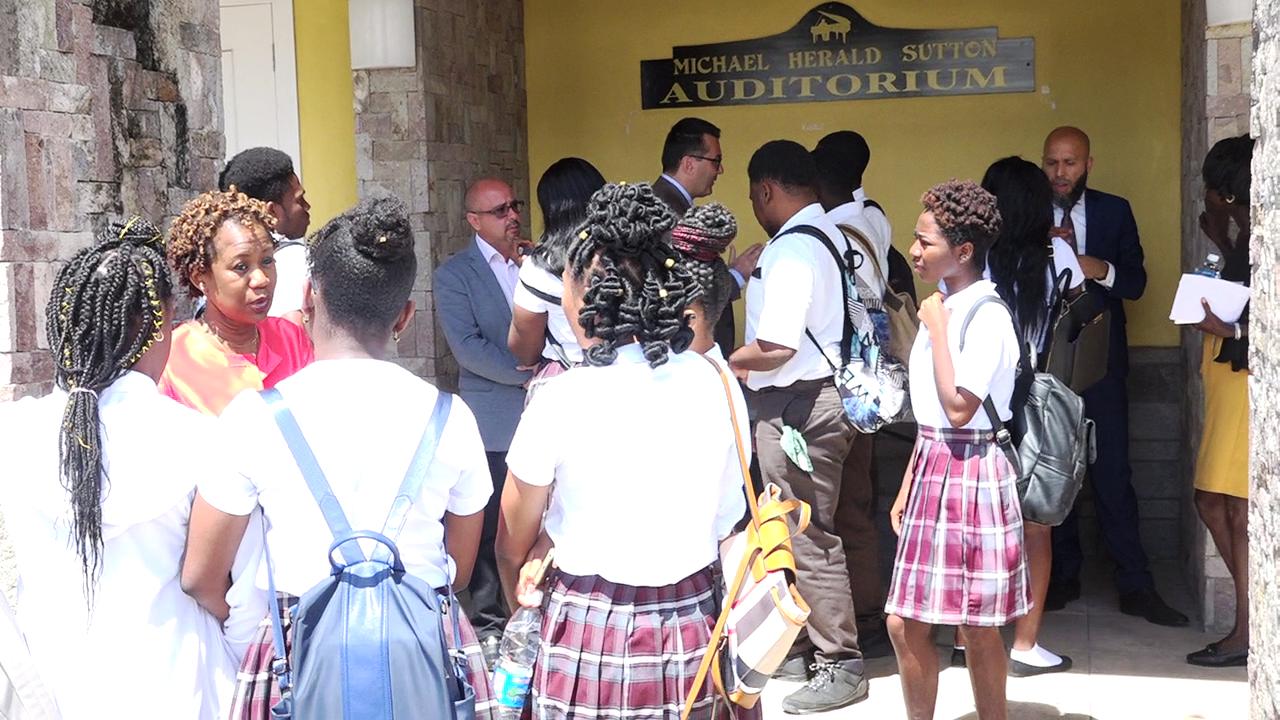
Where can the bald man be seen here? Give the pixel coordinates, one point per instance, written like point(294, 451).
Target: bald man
point(473, 298)
point(1102, 230)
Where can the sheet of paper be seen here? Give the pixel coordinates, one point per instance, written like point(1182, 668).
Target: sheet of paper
point(1226, 299)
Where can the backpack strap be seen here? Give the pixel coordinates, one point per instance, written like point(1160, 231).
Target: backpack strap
point(411, 486)
point(847, 332)
point(869, 203)
point(556, 346)
point(1003, 437)
point(867, 250)
point(313, 475)
point(540, 294)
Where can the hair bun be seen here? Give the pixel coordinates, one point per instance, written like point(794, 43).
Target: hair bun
point(380, 229)
point(627, 217)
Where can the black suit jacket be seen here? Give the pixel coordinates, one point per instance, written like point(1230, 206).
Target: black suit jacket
point(726, 331)
point(1111, 234)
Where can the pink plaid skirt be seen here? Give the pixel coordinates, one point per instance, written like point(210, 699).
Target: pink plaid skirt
point(257, 690)
point(960, 559)
point(618, 651)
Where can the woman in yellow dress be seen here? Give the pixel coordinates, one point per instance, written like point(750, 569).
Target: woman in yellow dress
point(1222, 466)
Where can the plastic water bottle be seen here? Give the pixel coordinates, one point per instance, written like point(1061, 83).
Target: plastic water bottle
point(1211, 267)
point(516, 655)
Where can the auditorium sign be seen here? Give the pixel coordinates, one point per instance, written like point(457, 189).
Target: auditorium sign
point(834, 53)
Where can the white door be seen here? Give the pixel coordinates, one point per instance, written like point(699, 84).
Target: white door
point(259, 76)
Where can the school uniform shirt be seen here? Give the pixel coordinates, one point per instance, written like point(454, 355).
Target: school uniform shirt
point(988, 365)
point(876, 220)
point(645, 465)
point(853, 215)
point(533, 276)
point(363, 420)
point(292, 271)
point(143, 649)
point(799, 288)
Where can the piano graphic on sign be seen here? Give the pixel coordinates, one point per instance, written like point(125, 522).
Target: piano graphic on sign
point(831, 24)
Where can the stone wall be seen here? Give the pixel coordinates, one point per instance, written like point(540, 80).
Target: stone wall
point(107, 107)
point(423, 133)
point(1216, 78)
point(1264, 362)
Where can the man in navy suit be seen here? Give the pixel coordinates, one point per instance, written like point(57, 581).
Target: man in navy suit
point(473, 298)
point(1101, 229)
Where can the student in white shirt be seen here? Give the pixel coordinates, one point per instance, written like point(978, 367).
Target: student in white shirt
point(959, 522)
point(635, 508)
point(363, 417)
point(795, 323)
point(98, 494)
point(1025, 264)
point(267, 174)
point(540, 333)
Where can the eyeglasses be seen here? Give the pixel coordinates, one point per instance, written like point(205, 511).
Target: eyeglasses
point(502, 210)
point(718, 160)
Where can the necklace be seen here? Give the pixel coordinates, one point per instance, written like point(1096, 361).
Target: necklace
point(257, 338)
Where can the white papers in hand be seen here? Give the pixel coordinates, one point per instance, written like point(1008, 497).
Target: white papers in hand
point(1226, 299)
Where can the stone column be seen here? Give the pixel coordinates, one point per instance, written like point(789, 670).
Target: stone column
point(1264, 361)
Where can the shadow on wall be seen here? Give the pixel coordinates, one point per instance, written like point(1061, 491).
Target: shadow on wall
point(1033, 711)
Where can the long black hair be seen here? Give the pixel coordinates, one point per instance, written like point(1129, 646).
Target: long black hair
point(563, 192)
point(637, 287)
point(106, 310)
point(1020, 258)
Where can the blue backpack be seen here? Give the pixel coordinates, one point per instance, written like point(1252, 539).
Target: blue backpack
point(368, 642)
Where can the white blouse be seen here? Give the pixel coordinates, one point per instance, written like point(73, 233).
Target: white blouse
point(363, 420)
point(988, 365)
point(645, 466)
point(543, 281)
point(144, 649)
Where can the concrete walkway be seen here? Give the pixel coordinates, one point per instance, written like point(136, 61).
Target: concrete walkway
point(1124, 669)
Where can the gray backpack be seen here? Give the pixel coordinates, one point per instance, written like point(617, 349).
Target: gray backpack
point(1051, 442)
point(368, 642)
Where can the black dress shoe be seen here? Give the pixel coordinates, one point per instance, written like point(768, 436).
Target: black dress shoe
point(957, 657)
point(1147, 604)
point(1213, 656)
point(1061, 593)
point(794, 669)
point(1022, 670)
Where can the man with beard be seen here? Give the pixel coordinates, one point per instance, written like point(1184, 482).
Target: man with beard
point(1101, 229)
point(473, 295)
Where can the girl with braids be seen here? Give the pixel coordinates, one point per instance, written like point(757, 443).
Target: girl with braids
point(100, 515)
point(363, 417)
point(959, 523)
point(636, 534)
point(540, 331)
point(221, 249)
point(700, 236)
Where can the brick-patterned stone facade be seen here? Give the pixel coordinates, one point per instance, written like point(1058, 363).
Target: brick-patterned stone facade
point(1217, 69)
point(423, 133)
point(107, 107)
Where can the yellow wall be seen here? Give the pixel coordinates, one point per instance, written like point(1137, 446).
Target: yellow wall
point(1111, 67)
point(326, 120)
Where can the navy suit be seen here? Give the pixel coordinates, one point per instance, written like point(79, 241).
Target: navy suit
point(1111, 234)
point(475, 316)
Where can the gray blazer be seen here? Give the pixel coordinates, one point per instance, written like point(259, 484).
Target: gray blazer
point(475, 318)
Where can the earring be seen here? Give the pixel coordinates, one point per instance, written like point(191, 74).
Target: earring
point(1231, 199)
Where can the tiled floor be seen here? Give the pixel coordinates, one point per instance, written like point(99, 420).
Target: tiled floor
point(1125, 669)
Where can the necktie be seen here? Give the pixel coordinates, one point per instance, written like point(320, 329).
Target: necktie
point(1070, 228)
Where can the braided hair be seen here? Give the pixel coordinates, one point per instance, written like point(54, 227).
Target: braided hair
point(107, 309)
point(636, 287)
point(700, 236)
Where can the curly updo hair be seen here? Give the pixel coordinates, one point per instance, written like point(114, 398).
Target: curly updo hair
point(107, 309)
point(363, 265)
point(700, 237)
point(637, 286)
point(965, 213)
point(190, 249)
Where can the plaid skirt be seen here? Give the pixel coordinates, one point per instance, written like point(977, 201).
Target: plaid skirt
point(257, 690)
point(618, 651)
point(960, 558)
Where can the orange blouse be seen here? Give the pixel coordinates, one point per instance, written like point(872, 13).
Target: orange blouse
point(202, 375)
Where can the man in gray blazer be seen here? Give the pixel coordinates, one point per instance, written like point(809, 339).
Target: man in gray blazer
point(473, 297)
